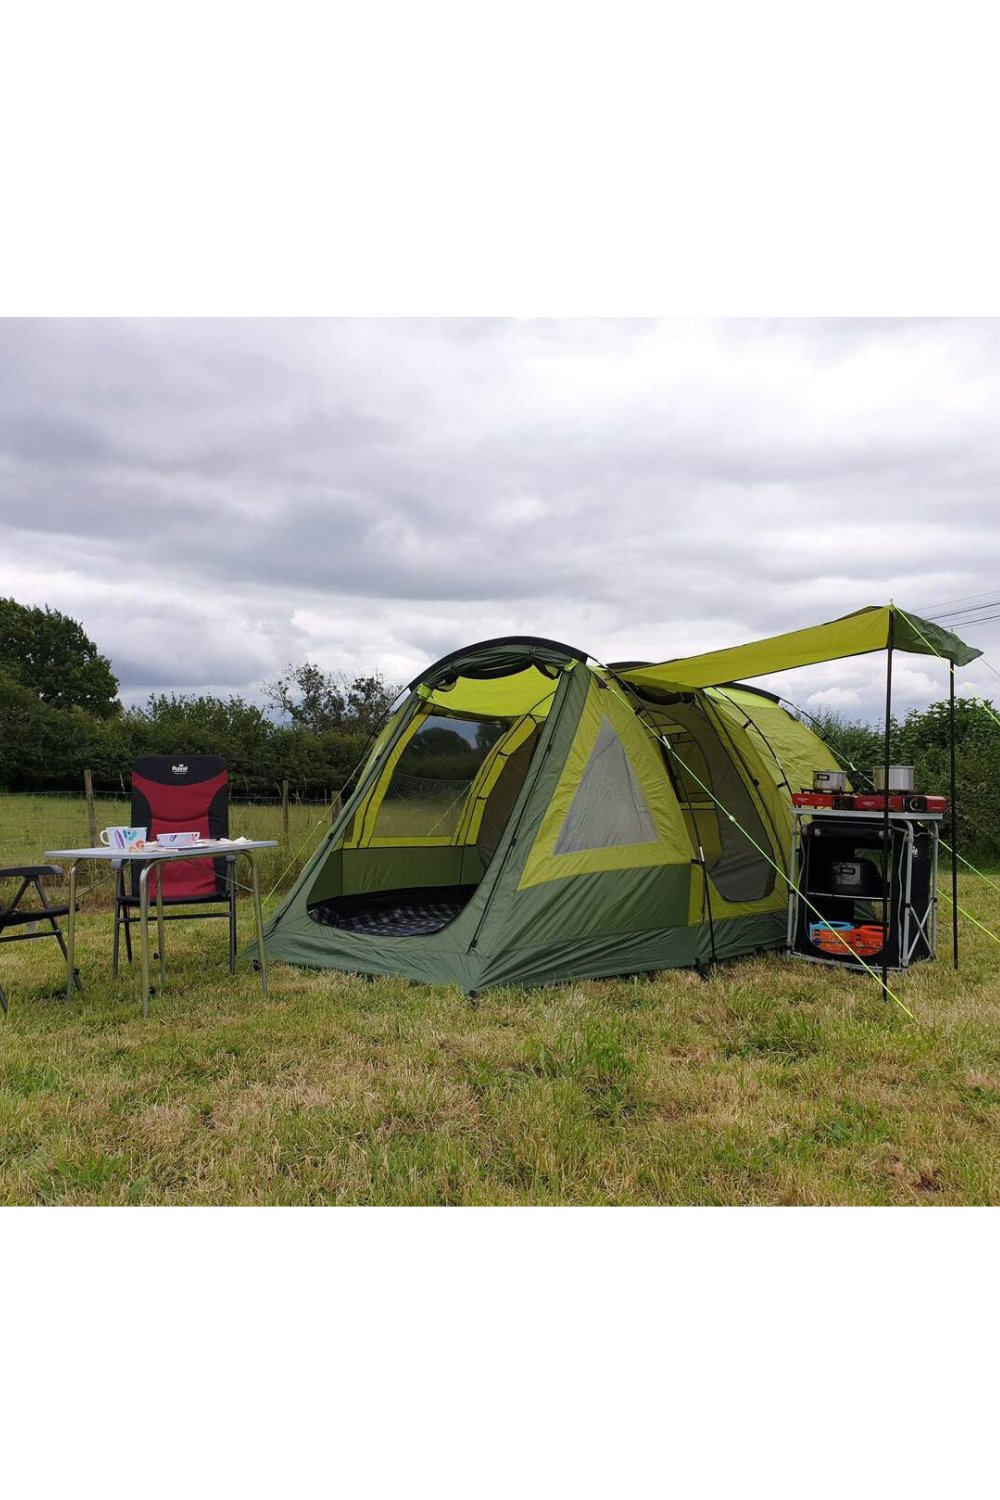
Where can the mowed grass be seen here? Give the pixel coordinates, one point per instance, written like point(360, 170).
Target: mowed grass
point(771, 1083)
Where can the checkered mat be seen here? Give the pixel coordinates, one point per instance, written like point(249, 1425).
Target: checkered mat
point(400, 918)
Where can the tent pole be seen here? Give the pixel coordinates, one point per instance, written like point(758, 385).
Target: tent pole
point(707, 899)
point(954, 816)
point(885, 815)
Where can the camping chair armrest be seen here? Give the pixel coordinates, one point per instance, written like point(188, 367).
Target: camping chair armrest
point(31, 872)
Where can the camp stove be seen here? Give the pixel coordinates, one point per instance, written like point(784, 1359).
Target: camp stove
point(908, 802)
point(829, 793)
point(911, 802)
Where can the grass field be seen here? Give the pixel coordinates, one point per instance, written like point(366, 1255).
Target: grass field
point(771, 1083)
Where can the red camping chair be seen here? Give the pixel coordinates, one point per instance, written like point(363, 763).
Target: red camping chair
point(171, 794)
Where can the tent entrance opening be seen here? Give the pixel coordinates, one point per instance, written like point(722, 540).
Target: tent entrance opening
point(425, 834)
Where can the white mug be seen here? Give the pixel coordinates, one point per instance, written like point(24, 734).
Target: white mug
point(128, 839)
point(177, 840)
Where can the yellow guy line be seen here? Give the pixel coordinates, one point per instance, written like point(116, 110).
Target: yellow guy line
point(981, 702)
point(943, 842)
point(310, 835)
point(969, 917)
point(986, 707)
point(662, 739)
point(955, 855)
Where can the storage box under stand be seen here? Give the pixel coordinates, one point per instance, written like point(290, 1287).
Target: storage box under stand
point(840, 866)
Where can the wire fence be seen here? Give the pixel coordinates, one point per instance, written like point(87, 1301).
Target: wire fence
point(317, 794)
point(34, 823)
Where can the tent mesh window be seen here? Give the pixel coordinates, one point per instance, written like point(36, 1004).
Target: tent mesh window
point(608, 808)
point(738, 870)
point(433, 775)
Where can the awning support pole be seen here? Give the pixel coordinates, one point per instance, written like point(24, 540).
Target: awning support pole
point(707, 898)
point(885, 816)
point(954, 817)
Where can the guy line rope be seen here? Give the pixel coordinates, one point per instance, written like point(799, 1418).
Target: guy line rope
point(782, 874)
point(858, 772)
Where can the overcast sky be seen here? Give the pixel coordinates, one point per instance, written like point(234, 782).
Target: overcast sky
point(215, 499)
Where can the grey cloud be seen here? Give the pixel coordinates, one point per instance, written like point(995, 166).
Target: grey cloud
point(374, 490)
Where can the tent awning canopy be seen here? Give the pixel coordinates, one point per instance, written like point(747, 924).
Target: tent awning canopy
point(874, 628)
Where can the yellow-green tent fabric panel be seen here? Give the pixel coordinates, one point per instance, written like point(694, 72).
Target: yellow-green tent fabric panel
point(852, 635)
point(489, 774)
point(768, 775)
point(528, 691)
point(776, 900)
point(798, 748)
point(761, 779)
point(670, 844)
point(754, 766)
point(366, 816)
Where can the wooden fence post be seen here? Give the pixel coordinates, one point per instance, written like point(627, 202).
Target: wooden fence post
point(334, 807)
point(88, 787)
point(284, 807)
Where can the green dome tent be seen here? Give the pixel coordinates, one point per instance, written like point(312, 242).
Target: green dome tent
point(529, 815)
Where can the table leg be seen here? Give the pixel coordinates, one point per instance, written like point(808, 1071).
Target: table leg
point(71, 932)
point(160, 925)
point(259, 920)
point(144, 934)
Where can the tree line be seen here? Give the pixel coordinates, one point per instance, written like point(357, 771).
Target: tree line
point(60, 713)
point(922, 739)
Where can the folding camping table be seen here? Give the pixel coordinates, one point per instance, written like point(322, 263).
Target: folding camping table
point(148, 858)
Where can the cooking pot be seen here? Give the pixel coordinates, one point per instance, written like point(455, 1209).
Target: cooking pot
point(900, 778)
point(829, 781)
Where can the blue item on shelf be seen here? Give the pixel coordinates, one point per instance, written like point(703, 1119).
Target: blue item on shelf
point(815, 928)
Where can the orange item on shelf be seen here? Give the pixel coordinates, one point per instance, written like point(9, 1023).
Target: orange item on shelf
point(866, 940)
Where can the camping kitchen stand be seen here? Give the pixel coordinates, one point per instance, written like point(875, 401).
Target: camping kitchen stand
point(207, 849)
point(903, 838)
point(905, 902)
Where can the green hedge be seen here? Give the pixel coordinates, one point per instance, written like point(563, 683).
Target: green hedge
point(922, 740)
point(47, 749)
